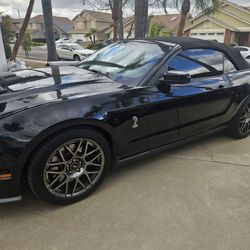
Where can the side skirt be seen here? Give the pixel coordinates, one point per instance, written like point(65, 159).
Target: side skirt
point(168, 146)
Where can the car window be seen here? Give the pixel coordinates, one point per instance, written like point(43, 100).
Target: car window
point(66, 47)
point(76, 47)
point(125, 62)
point(198, 62)
point(228, 65)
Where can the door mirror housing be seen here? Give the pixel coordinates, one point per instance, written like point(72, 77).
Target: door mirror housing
point(175, 77)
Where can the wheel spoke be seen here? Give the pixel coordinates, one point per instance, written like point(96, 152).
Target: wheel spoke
point(93, 151)
point(55, 180)
point(75, 186)
point(96, 157)
point(78, 148)
point(86, 148)
point(90, 181)
point(60, 185)
point(93, 172)
point(54, 172)
point(61, 155)
point(69, 150)
point(56, 164)
point(80, 182)
point(66, 189)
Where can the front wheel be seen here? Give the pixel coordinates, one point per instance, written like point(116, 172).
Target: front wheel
point(239, 127)
point(69, 166)
point(77, 58)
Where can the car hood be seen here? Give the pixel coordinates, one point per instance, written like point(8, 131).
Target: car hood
point(28, 88)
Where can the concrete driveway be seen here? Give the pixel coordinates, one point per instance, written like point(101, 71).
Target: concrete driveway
point(193, 197)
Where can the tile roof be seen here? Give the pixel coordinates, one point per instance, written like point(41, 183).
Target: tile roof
point(63, 23)
point(97, 15)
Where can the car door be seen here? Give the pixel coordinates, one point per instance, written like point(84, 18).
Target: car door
point(68, 52)
point(162, 113)
point(59, 50)
point(203, 103)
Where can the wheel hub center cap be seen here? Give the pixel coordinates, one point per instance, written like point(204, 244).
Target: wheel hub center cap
point(75, 168)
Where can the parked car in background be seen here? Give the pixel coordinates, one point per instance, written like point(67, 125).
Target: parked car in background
point(245, 51)
point(107, 42)
point(64, 40)
point(72, 51)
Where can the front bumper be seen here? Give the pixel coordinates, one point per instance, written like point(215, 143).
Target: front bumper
point(9, 191)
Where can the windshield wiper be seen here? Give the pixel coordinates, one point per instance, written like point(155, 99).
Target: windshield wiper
point(101, 63)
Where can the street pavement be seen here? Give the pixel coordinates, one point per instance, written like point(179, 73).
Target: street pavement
point(195, 197)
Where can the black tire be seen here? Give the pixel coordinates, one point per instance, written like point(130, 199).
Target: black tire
point(39, 164)
point(239, 126)
point(77, 58)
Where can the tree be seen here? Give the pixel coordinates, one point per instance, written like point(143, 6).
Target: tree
point(22, 30)
point(155, 30)
point(92, 35)
point(141, 18)
point(26, 44)
point(116, 8)
point(7, 35)
point(49, 30)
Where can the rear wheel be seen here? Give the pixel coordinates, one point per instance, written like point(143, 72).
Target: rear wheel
point(239, 127)
point(69, 166)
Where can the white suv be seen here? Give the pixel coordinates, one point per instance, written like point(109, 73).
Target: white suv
point(72, 51)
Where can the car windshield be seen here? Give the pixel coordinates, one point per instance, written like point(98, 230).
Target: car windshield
point(125, 62)
point(76, 47)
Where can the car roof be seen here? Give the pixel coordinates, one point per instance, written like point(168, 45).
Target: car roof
point(194, 43)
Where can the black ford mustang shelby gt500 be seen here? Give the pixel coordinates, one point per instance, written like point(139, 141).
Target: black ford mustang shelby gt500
point(64, 127)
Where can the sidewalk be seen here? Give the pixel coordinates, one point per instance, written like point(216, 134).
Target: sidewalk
point(33, 63)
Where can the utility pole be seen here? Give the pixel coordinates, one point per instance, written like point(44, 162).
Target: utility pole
point(3, 61)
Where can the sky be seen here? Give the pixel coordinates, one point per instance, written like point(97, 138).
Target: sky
point(62, 8)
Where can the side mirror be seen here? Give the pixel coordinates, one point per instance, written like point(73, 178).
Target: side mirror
point(175, 77)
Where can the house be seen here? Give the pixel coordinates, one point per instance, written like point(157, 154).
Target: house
point(169, 24)
point(231, 25)
point(88, 20)
point(37, 29)
point(16, 25)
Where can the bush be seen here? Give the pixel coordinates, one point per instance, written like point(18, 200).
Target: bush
point(7, 35)
point(7, 50)
point(33, 43)
point(94, 46)
point(39, 40)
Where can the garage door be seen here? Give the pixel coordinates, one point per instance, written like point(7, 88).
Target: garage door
point(209, 36)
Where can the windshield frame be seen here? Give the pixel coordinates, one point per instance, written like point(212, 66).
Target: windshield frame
point(166, 48)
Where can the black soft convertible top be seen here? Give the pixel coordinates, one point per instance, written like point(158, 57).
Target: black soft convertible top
point(193, 43)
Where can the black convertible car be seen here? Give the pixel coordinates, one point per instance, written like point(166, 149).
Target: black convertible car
point(62, 128)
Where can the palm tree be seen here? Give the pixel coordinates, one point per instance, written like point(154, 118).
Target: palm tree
point(49, 30)
point(92, 35)
point(141, 18)
point(22, 30)
point(155, 30)
point(207, 6)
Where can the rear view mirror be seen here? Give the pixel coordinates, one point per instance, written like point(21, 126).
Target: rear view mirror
point(176, 77)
